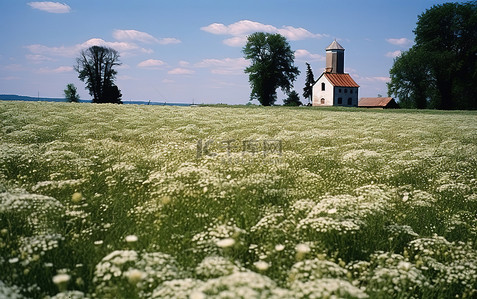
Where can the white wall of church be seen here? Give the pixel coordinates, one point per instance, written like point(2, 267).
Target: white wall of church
point(319, 94)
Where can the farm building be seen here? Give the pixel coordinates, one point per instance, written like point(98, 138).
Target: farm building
point(383, 102)
point(335, 87)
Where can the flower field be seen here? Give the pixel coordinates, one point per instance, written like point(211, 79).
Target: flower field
point(126, 201)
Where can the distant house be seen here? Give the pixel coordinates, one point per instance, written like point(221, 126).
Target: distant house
point(335, 87)
point(383, 103)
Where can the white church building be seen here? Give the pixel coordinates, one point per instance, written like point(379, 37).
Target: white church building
point(334, 87)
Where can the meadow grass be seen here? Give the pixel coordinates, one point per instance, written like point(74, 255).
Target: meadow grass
point(126, 201)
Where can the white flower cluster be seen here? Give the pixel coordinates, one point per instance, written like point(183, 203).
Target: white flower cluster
point(216, 266)
point(10, 292)
point(122, 269)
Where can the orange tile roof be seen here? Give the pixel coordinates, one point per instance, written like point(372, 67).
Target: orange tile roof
point(374, 102)
point(341, 80)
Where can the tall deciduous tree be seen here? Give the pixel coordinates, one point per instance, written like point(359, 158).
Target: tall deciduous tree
point(446, 51)
point(272, 66)
point(411, 79)
point(95, 66)
point(310, 80)
point(70, 93)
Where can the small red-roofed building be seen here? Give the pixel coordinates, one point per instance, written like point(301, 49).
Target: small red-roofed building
point(382, 102)
point(335, 87)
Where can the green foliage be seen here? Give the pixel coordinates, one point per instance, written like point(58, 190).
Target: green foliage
point(70, 93)
point(96, 66)
point(272, 66)
point(112, 94)
point(128, 209)
point(439, 71)
point(310, 80)
point(292, 100)
point(410, 79)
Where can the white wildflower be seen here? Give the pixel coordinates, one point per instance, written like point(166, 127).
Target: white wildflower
point(134, 276)
point(261, 265)
point(61, 278)
point(225, 243)
point(131, 238)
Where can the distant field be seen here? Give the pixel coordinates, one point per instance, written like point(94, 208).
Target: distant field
point(126, 201)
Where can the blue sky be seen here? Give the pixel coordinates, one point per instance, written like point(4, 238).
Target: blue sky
point(184, 51)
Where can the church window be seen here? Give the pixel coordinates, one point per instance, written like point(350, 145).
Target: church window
point(350, 91)
point(322, 86)
point(339, 90)
point(350, 101)
point(322, 101)
point(346, 90)
point(340, 101)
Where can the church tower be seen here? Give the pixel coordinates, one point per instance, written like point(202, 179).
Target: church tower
point(335, 58)
point(335, 87)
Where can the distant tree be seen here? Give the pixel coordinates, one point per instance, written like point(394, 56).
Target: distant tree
point(292, 100)
point(70, 93)
point(439, 71)
point(272, 66)
point(95, 66)
point(310, 80)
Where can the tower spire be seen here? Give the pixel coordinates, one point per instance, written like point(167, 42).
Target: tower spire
point(335, 58)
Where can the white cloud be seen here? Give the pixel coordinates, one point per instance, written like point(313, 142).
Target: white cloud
point(305, 55)
point(180, 71)
point(169, 41)
point(226, 66)
point(293, 33)
point(237, 41)
point(37, 58)
point(393, 54)
point(239, 30)
point(58, 70)
point(374, 79)
point(134, 35)
point(399, 41)
point(143, 37)
point(52, 7)
point(184, 63)
point(124, 48)
point(152, 64)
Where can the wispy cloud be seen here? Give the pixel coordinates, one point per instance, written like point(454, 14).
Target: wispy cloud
point(9, 78)
point(134, 35)
point(239, 30)
point(169, 41)
point(403, 42)
point(393, 54)
point(36, 58)
point(152, 64)
point(305, 55)
point(181, 71)
point(52, 7)
point(226, 66)
point(143, 37)
point(58, 70)
point(125, 48)
point(373, 79)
